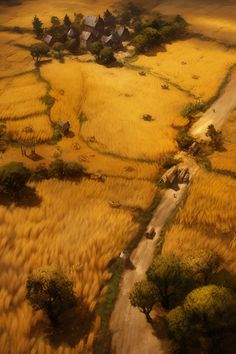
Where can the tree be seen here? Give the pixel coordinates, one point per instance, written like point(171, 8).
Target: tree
point(169, 275)
point(202, 264)
point(152, 36)
point(128, 11)
point(67, 21)
point(71, 44)
point(58, 47)
point(38, 51)
point(211, 310)
point(140, 43)
point(177, 323)
point(37, 27)
point(109, 19)
point(13, 177)
point(144, 296)
point(95, 48)
point(106, 56)
point(55, 21)
point(183, 139)
point(215, 136)
point(48, 289)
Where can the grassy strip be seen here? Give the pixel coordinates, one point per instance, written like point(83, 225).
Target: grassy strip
point(103, 340)
point(228, 173)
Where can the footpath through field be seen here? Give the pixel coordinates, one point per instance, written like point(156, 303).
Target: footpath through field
point(131, 333)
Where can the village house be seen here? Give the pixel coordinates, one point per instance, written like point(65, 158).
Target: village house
point(86, 39)
point(94, 24)
point(48, 39)
point(64, 127)
point(71, 34)
point(111, 41)
point(122, 33)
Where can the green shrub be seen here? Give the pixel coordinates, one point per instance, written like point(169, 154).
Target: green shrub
point(183, 139)
point(13, 177)
point(192, 108)
point(106, 56)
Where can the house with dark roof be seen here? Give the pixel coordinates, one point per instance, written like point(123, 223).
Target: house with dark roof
point(111, 41)
point(122, 32)
point(86, 38)
point(94, 24)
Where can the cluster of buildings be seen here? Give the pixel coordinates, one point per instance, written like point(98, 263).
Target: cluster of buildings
point(93, 29)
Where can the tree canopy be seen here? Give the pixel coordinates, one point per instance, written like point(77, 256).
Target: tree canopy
point(48, 289)
point(144, 296)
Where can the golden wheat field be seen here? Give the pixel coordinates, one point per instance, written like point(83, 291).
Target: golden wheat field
point(207, 220)
point(190, 64)
point(114, 105)
point(226, 160)
point(37, 129)
point(213, 19)
point(76, 229)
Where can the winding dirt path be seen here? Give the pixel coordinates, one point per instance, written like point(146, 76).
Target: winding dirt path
point(131, 333)
point(219, 111)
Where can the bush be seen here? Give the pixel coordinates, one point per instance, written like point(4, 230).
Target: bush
point(38, 51)
point(71, 45)
point(60, 169)
point(183, 139)
point(95, 48)
point(192, 108)
point(106, 56)
point(13, 177)
point(140, 43)
point(216, 137)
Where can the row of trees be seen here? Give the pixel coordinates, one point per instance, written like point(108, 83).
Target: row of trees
point(150, 33)
point(198, 306)
point(14, 176)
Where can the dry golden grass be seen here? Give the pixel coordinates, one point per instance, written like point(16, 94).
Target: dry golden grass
point(67, 89)
point(76, 229)
point(207, 60)
point(20, 96)
point(207, 219)
point(115, 102)
point(215, 19)
point(226, 160)
point(40, 125)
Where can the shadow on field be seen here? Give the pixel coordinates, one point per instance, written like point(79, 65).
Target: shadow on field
point(27, 197)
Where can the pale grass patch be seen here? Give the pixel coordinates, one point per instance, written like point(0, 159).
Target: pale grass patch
point(207, 219)
point(75, 228)
point(42, 130)
point(209, 61)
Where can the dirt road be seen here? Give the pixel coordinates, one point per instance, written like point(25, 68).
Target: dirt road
point(131, 334)
point(219, 111)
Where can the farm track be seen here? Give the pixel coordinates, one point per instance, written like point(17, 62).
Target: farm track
point(131, 334)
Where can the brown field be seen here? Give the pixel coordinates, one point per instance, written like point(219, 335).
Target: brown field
point(226, 160)
point(207, 220)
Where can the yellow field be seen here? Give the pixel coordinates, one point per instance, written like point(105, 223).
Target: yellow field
point(213, 19)
point(40, 129)
point(207, 219)
point(75, 228)
point(192, 65)
point(226, 160)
